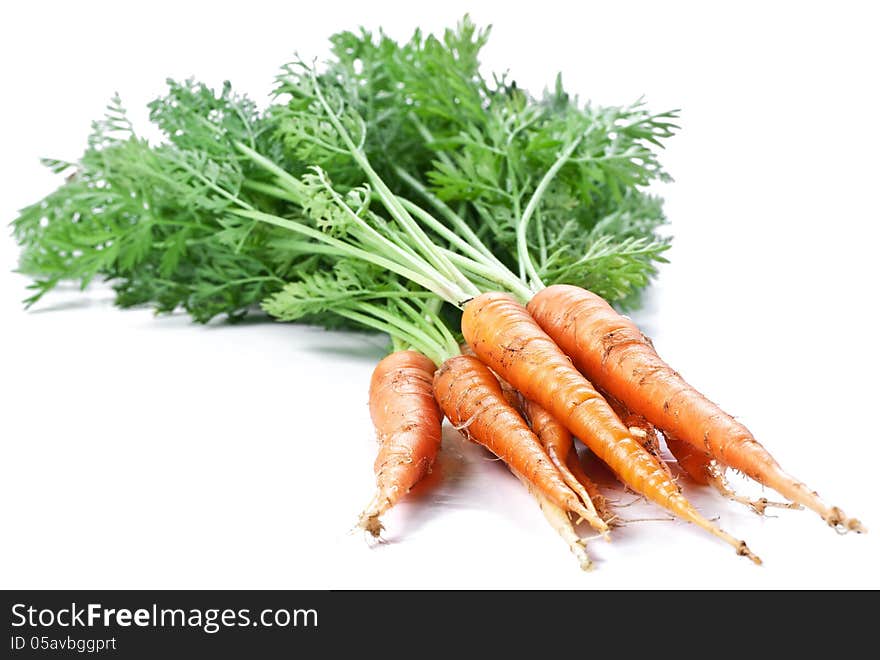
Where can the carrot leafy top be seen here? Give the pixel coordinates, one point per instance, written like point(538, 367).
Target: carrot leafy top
point(381, 189)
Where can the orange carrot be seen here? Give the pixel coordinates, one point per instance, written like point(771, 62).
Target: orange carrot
point(557, 441)
point(611, 350)
point(506, 338)
point(705, 470)
point(696, 463)
point(554, 514)
point(471, 397)
point(408, 424)
point(599, 500)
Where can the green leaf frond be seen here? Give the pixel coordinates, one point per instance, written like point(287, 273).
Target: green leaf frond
point(391, 169)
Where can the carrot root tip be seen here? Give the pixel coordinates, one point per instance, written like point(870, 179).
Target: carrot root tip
point(579, 550)
point(758, 506)
point(369, 520)
point(595, 521)
point(373, 525)
point(743, 551)
point(841, 524)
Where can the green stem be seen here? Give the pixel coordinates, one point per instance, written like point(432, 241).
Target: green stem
point(245, 280)
point(270, 190)
point(287, 180)
point(500, 273)
point(413, 329)
point(451, 343)
point(522, 247)
point(213, 186)
point(418, 336)
point(377, 240)
point(410, 259)
point(428, 249)
point(488, 219)
point(521, 257)
point(446, 290)
point(427, 136)
point(427, 317)
point(508, 282)
point(542, 240)
point(470, 239)
point(434, 353)
point(398, 344)
point(420, 320)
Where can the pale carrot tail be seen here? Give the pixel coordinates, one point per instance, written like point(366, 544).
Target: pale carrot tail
point(595, 519)
point(370, 518)
point(764, 469)
point(685, 510)
point(797, 492)
point(560, 521)
point(558, 443)
point(471, 397)
point(408, 424)
point(705, 470)
point(740, 546)
point(719, 482)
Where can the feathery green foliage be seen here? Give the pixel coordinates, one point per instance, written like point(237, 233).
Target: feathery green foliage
point(402, 170)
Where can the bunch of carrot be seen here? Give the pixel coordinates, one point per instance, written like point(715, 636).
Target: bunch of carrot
point(554, 353)
point(379, 197)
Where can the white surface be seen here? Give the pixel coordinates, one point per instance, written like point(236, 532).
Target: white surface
point(143, 452)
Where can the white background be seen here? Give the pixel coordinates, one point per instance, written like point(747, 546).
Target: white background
point(151, 452)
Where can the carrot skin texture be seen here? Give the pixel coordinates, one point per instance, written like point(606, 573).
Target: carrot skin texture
point(639, 427)
point(505, 337)
point(557, 441)
point(553, 435)
point(408, 427)
point(575, 466)
point(696, 463)
point(472, 399)
point(612, 351)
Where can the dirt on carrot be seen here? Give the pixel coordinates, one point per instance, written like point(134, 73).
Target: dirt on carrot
point(472, 399)
point(613, 352)
point(558, 443)
point(505, 337)
point(640, 428)
point(576, 467)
